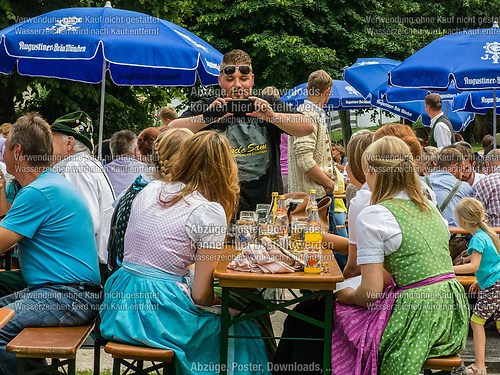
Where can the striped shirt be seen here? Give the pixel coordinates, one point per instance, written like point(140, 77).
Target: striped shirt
point(488, 192)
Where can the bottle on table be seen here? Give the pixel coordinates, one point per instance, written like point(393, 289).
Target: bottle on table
point(312, 201)
point(274, 206)
point(281, 221)
point(313, 241)
point(268, 228)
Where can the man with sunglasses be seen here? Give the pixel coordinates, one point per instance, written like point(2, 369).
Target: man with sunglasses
point(254, 136)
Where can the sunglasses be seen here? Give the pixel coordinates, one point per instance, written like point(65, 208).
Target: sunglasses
point(230, 69)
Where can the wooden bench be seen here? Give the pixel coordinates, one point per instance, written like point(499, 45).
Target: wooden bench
point(5, 316)
point(48, 342)
point(133, 358)
point(466, 280)
point(442, 363)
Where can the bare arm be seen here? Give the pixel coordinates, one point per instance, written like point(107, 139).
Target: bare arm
point(335, 242)
point(352, 269)
point(8, 239)
point(4, 205)
point(372, 285)
point(471, 267)
point(195, 123)
point(320, 177)
point(295, 124)
point(203, 283)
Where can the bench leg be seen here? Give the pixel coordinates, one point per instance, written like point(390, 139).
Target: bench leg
point(116, 366)
point(97, 357)
point(327, 337)
point(72, 367)
point(21, 366)
point(169, 369)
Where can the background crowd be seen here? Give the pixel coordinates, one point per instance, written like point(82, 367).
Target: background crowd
point(129, 224)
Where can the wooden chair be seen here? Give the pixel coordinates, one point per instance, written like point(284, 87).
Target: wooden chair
point(58, 343)
point(133, 358)
point(447, 364)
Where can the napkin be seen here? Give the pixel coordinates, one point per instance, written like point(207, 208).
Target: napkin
point(255, 258)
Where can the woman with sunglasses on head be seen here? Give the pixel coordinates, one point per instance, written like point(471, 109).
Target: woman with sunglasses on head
point(149, 301)
point(252, 124)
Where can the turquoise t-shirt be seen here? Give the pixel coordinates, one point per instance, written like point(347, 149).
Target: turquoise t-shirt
point(58, 244)
point(11, 190)
point(489, 268)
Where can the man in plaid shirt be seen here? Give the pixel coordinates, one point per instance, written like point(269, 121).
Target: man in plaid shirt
point(488, 189)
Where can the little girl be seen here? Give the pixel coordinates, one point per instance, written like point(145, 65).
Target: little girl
point(484, 248)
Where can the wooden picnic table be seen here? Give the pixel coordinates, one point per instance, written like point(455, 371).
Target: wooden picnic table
point(246, 284)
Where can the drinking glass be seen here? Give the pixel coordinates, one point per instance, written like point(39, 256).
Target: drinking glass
point(298, 231)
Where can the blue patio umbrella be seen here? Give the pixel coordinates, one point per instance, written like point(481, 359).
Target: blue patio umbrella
point(399, 95)
point(342, 97)
point(475, 102)
point(367, 74)
point(415, 109)
point(369, 77)
point(468, 58)
point(402, 97)
point(81, 44)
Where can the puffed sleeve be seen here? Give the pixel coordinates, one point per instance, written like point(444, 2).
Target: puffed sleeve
point(206, 226)
point(378, 234)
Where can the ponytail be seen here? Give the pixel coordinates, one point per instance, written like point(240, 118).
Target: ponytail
point(494, 237)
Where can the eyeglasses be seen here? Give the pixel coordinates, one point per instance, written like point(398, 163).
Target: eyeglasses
point(230, 69)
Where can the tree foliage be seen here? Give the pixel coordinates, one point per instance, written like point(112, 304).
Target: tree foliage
point(289, 39)
point(125, 107)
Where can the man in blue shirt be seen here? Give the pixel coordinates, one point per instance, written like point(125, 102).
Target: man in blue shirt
point(445, 182)
point(53, 228)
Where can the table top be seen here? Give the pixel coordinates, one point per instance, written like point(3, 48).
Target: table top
point(5, 316)
point(295, 280)
point(458, 230)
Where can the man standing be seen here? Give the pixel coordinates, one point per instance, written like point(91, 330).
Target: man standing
point(72, 144)
point(52, 225)
point(166, 115)
point(253, 130)
point(442, 134)
point(310, 156)
point(488, 189)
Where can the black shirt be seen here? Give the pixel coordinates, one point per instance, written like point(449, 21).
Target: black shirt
point(256, 147)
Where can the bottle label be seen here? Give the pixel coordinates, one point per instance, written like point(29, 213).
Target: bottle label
point(281, 212)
